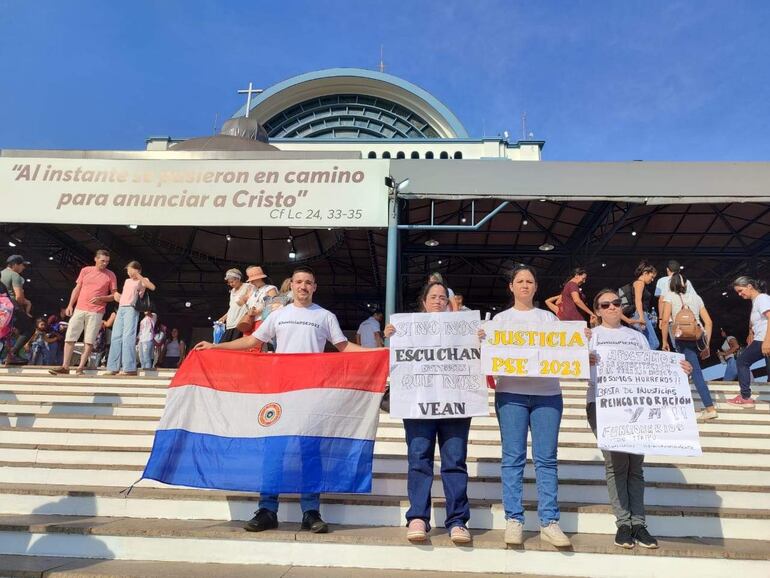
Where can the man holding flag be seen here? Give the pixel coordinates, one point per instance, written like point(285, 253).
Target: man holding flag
point(300, 327)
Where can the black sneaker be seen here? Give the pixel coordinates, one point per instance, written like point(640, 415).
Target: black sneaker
point(643, 538)
point(311, 520)
point(624, 537)
point(263, 519)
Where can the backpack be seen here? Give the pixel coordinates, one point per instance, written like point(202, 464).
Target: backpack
point(626, 294)
point(6, 312)
point(686, 326)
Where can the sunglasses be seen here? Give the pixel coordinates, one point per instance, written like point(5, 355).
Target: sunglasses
point(606, 304)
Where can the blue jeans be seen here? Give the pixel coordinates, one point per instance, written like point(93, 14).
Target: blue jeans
point(452, 437)
point(649, 330)
point(749, 357)
point(540, 414)
point(306, 501)
point(731, 370)
point(690, 351)
point(123, 344)
point(145, 354)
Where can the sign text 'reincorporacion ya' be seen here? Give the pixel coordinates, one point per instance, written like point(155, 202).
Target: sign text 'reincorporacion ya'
point(296, 193)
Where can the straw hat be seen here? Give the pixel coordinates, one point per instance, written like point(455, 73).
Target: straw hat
point(255, 273)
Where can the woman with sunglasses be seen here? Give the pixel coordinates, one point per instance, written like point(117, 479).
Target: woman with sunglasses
point(421, 435)
point(624, 472)
point(524, 405)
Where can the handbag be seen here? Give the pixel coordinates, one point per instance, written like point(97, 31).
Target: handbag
point(143, 303)
point(246, 323)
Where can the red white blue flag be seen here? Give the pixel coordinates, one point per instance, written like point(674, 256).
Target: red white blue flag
point(272, 423)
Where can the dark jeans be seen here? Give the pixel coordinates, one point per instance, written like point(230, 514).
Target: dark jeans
point(452, 436)
point(625, 481)
point(170, 362)
point(25, 325)
point(692, 355)
point(749, 357)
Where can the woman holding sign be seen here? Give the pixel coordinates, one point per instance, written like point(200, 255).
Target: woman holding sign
point(421, 435)
point(531, 404)
point(624, 473)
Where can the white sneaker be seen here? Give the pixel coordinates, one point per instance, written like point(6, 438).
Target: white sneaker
point(514, 532)
point(553, 535)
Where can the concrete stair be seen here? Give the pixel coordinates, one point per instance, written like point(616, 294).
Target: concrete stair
point(70, 444)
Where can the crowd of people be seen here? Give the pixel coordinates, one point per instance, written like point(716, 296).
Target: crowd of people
point(263, 317)
point(116, 328)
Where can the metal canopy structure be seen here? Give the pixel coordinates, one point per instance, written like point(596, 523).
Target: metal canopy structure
point(477, 232)
point(652, 183)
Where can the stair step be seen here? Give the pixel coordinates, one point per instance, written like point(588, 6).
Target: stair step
point(155, 501)
point(375, 547)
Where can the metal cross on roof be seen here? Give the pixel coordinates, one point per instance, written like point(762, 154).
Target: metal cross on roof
point(249, 91)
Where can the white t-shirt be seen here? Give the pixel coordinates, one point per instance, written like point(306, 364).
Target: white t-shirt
point(366, 330)
point(236, 312)
point(528, 385)
point(663, 286)
point(146, 328)
point(692, 300)
point(759, 305)
point(615, 338)
point(301, 329)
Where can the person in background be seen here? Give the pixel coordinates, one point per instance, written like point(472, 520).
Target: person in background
point(38, 345)
point(369, 333)
point(460, 302)
point(146, 334)
point(529, 405)
point(662, 287)
point(674, 301)
point(554, 304)
point(94, 288)
point(637, 313)
point(262, 295)
point(285, 293)
point(624, 472)
point(54, 347)
point(421, 436)
point(122, 351)
point(239, 295)
point(175, 350)
point(758, 341)
point(13, 280)
point(103, 339)
point(300, 327)
point(159, 345)
point(727, 355)
point(437, 277)
point(573, 300)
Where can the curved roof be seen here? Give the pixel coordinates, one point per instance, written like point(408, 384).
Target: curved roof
point(352, 103)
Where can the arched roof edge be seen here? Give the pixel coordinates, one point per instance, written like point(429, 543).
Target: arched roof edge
point(407, 86)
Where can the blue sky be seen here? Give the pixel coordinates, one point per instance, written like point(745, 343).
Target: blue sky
point(599, 80)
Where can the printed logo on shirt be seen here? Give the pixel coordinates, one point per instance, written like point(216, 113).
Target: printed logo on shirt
point(296, 322)
point(269, 414)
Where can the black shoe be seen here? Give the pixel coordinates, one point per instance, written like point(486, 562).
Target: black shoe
point(624, 537)
point(311, 520)
point(643, 538)
point(263, 520)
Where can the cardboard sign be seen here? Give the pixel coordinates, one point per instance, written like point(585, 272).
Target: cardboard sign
point(644, 404)
point(435, 366)
point(558, 349)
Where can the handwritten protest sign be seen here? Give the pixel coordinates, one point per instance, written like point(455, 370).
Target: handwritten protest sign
point(435, 366)
point(644, 404)
point(558, 349)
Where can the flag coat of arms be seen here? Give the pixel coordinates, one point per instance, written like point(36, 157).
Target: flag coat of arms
point(271, 423)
